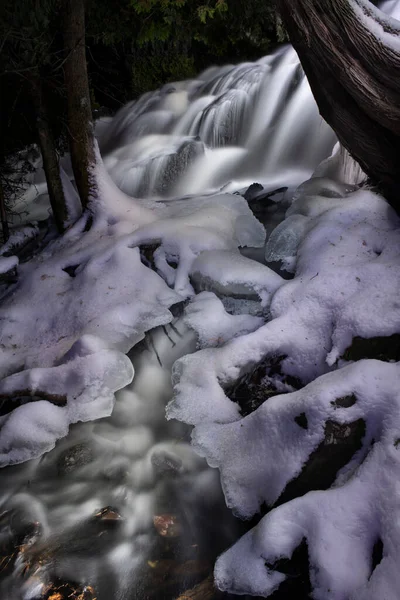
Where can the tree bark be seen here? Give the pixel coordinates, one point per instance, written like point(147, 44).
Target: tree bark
point(350, 52)
point(80, 126)
point(3, 215)
point(51, 164)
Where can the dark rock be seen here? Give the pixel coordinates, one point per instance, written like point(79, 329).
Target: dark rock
point(253, 191)
point(71, 270)
point(345, 402)
point(73, 458)
point(377, 554)
point(147, 255)
point(264, 206)
point(258, 385)
point(8, 402)
point(297, 584)
point(63, 590)
point(301, 421)
point(108, 515)
point(341, 442)
point(177, 164)
point(386, 348)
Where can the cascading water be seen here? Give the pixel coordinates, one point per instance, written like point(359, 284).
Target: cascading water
point(124, 504)
point(230, 127)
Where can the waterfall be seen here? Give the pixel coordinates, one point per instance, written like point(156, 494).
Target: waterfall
point(231, 126)
point(227, 128)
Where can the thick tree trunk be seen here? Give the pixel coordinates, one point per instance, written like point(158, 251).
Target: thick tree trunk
point(80, 126)
point(3, 215)
point(49, 154)
point(350, 52)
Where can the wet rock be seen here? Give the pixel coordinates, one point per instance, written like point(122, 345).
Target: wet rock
point(167, 525)
point(253, 191)
point(340, 443)
point(165, 464)
point(202, 591)
point(73, 458)
point(386, 348)
point(264, 206)
point(264, 381)
point(167, 578)
point(108, 514)
point(68, 591)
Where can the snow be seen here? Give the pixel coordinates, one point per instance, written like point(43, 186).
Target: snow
point(229, 273)
point(342, 524)
point(207, 316)
point(82, 389)
point(7, 263)
point(88, 292)
point(19, 236)
point(346, 260)
point(92, 295)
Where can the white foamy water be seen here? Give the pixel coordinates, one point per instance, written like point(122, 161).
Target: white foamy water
point(232, 126)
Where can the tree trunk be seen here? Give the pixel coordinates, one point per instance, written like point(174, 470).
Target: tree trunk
point(350, 53)
point(3, 215)
point(80, 126)
point(49, 154)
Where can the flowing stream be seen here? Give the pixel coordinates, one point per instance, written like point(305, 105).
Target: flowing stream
point(123, 508)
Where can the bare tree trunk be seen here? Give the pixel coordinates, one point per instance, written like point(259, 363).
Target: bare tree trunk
point(349, 52)
point(3, 215)
point(49, 154)
point(81, 136)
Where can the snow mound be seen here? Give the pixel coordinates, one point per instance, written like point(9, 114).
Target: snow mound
point(321, 445)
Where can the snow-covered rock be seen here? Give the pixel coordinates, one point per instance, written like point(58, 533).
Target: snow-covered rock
point(341, 305)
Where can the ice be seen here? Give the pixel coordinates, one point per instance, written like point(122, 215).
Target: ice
point(340, 167)
point(285, 239)
point(228, 273)
point(82, 389)
point(214, 326)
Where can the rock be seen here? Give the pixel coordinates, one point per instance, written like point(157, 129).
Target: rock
point(60, 590)
point(386, 348)
point(108, 514)
point(147, 255)
point(253, 191)
point(265, 206)
point(9, 402)
point(165, 464)
point(167, 525)
point(341, 442)
point(264, 381)
point(203, 591)
point(73, 458)
point(296, 568)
